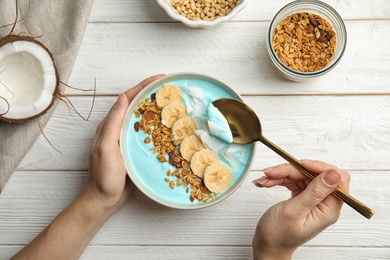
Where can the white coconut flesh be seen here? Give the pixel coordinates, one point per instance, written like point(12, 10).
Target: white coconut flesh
point(28, 80)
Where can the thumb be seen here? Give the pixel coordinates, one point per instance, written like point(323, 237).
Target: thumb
point(317, 190)
point(114, 120)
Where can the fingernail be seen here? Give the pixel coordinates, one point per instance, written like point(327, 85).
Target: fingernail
point(257, 184)
point(261, 181)
point(332, 178)
point(121, 100)
point(268, 169)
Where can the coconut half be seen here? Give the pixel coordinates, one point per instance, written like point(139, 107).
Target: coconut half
point(29, 79)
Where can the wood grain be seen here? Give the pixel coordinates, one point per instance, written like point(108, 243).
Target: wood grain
point(220, 252)
point(346, 131)
point(342, 118)
point(33, 199)
point(119, 55)
point(148, 11)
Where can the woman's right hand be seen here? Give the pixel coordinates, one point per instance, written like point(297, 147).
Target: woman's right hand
point(311, 209)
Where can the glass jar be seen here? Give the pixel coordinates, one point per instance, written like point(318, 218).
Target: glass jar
point(312, 7)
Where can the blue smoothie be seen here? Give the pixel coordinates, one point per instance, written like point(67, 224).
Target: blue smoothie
point(151, 172)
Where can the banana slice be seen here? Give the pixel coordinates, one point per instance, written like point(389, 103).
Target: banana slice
point(200, 160)
point(217, 177)
point(167, 94)
point(183, 127)
point(172, 112)
point(190, 145)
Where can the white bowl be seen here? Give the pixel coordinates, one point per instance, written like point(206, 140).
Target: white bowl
point(142, 165)
point(174, 14)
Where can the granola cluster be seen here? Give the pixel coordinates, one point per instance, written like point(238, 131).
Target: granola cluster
point(304, 42)
point(167, 150)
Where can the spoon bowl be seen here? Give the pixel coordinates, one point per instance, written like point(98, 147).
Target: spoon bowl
point(243, 122)
point(246, 128)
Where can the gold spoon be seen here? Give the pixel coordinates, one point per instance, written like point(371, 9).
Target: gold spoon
point(246, 129)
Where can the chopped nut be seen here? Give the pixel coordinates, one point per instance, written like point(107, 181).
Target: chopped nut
point(150, 116)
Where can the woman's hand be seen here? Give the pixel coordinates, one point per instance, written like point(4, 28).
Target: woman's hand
point(289, 224)
point(108, 185)
point(106, 190)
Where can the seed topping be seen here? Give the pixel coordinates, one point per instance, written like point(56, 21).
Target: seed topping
point(203, 9)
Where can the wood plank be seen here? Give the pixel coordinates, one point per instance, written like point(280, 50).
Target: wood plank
point(127, 41)
point(150, 11)
point(217, 252)
point(32, 199)
point(120, 55)
point(344, 131)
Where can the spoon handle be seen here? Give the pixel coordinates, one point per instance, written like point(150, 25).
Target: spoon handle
point(338, 192)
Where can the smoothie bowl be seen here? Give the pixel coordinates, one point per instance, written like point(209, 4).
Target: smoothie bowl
point(177, 146)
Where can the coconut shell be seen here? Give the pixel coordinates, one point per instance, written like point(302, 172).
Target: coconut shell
point(14, 38)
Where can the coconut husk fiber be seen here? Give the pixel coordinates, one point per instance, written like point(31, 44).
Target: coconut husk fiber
point(60, 25)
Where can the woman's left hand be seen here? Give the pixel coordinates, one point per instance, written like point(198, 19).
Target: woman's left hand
point(107, 182)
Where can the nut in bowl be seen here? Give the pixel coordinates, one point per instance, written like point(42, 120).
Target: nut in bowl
point(202, 13)
point(173, 146)
point(306, 39)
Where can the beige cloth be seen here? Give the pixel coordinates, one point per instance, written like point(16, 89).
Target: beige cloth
point(61, 23)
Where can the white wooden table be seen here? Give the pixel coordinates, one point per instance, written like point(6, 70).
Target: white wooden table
point(342, 118)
